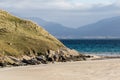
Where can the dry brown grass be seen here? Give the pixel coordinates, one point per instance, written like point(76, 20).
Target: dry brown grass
point(22, 37)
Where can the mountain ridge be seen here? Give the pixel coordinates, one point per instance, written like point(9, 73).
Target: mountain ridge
point(105, 27)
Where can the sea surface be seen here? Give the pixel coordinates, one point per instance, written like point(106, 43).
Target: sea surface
point(94, 46)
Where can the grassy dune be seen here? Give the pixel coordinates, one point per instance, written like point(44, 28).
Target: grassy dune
point(23, 37)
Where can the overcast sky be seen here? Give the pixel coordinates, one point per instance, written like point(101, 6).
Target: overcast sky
point(71, 13)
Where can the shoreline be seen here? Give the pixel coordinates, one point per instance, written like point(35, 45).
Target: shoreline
point(101, 56)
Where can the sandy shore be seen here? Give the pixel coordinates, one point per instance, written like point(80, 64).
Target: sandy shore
point(82, 70)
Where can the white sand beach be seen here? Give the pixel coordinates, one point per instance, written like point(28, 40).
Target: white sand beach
point(81, 70)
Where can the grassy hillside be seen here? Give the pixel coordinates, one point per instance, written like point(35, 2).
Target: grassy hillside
point(22, 37)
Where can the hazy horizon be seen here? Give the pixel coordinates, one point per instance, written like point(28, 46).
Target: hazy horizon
point(70, 13)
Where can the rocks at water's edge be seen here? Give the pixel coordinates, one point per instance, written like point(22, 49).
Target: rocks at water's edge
point(61, 55)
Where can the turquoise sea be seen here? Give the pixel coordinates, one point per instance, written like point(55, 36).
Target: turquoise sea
point(94, 46)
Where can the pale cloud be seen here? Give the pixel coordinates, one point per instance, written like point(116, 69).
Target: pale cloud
point(35, 4)
point(47, 4)
point(117, 3)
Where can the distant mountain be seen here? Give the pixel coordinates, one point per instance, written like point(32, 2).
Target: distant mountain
point(55, 29)
point(109, 27)
point(106, 28)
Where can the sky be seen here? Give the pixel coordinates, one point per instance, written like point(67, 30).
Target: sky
point(70, 13)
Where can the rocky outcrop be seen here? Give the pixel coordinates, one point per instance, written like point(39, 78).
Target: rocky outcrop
point(62, 55)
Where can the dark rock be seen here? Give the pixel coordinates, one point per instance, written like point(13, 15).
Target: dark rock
point(88, 56)
point(31, 61)
point(3, 64)
point(56, 57)
point(51, 56)
point(79, 58)
point(19, 64)
point(15, 64)
point(50, 59)
point(62, 58)
point(42, 59)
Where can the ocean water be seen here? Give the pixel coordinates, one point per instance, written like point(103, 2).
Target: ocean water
point(94, 46)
